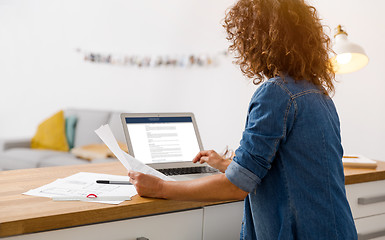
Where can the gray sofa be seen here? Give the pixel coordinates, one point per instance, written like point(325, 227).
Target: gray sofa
point(17, 154)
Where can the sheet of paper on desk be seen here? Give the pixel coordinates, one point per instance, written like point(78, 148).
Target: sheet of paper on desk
point(358, 161)
point(83, 184)
point(129, 162)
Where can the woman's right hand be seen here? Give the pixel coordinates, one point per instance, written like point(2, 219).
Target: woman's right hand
point(213, 159)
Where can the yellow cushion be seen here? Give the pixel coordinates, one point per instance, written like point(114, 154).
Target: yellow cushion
point(51, 134)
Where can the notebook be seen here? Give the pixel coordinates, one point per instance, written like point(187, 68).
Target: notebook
point(166, 142)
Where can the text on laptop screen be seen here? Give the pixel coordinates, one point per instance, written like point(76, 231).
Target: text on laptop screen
point(162, 139)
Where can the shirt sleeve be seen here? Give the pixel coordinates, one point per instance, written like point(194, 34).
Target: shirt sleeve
point(271, 112)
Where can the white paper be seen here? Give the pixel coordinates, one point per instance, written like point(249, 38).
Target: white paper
point(354, 158)
point(143, 168)
point(83, 184)
point(105, 133)
point(129, 162)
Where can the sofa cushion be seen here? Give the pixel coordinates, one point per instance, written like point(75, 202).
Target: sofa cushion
point(51, 134)
point(70, 130)
point(72, 160)
point(18, 158)
point(33, 154)
point(87, 122)
point(10, 163)
point(61, 161)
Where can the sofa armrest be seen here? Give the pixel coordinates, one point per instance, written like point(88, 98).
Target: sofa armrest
point(6, 144)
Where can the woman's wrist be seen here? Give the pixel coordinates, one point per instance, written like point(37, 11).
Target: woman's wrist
point(163, 189)
point(225, 164)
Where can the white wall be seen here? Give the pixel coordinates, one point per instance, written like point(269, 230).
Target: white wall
point(360, 97)
point(40, 72)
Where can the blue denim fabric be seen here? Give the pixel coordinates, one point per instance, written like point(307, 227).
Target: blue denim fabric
point(289, 160)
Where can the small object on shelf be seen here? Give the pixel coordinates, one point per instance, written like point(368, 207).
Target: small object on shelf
point(358, 161)
point(183, 61)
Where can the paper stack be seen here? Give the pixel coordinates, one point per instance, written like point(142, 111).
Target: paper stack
point(83, 184)
point(358, 161)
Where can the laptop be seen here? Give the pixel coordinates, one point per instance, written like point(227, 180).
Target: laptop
point(167, 142)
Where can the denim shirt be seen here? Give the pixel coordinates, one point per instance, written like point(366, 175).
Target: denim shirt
point(289, 160)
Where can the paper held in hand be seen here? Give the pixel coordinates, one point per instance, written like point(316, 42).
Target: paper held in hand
point(129, 162)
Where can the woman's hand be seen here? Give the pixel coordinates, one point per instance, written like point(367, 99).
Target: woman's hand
point(213, 159)
point(146, 185)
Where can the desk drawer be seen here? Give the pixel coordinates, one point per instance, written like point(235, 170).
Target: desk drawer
point(186, 225)
point(223, 221)
point(371, 227)
point(366, 199)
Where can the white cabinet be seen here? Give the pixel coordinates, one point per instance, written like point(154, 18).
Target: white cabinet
point(366, 199)
point(367, 202)
point(371, 227)
point(222, 222)
point(186, 225)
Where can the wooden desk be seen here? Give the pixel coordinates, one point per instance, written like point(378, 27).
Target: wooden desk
point(361, 175)
point(21, 214)
point(365, 190)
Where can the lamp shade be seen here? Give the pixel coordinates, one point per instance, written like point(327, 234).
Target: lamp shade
point(349, 56)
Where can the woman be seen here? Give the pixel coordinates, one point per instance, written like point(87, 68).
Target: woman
point(288, 166)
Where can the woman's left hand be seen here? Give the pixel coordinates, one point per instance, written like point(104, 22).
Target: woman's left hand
point(146, 185)
point(213, 159)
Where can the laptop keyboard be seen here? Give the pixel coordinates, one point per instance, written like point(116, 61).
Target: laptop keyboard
point(189, 170)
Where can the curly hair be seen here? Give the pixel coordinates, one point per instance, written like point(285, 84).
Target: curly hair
point(277, 37)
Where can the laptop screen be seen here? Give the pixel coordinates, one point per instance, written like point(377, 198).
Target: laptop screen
point(162, 139)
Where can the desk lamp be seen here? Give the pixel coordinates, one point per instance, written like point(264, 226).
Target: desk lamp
point(349, 56)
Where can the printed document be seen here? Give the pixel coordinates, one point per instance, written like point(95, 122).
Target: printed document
point(129, 162)
point(82, 184)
